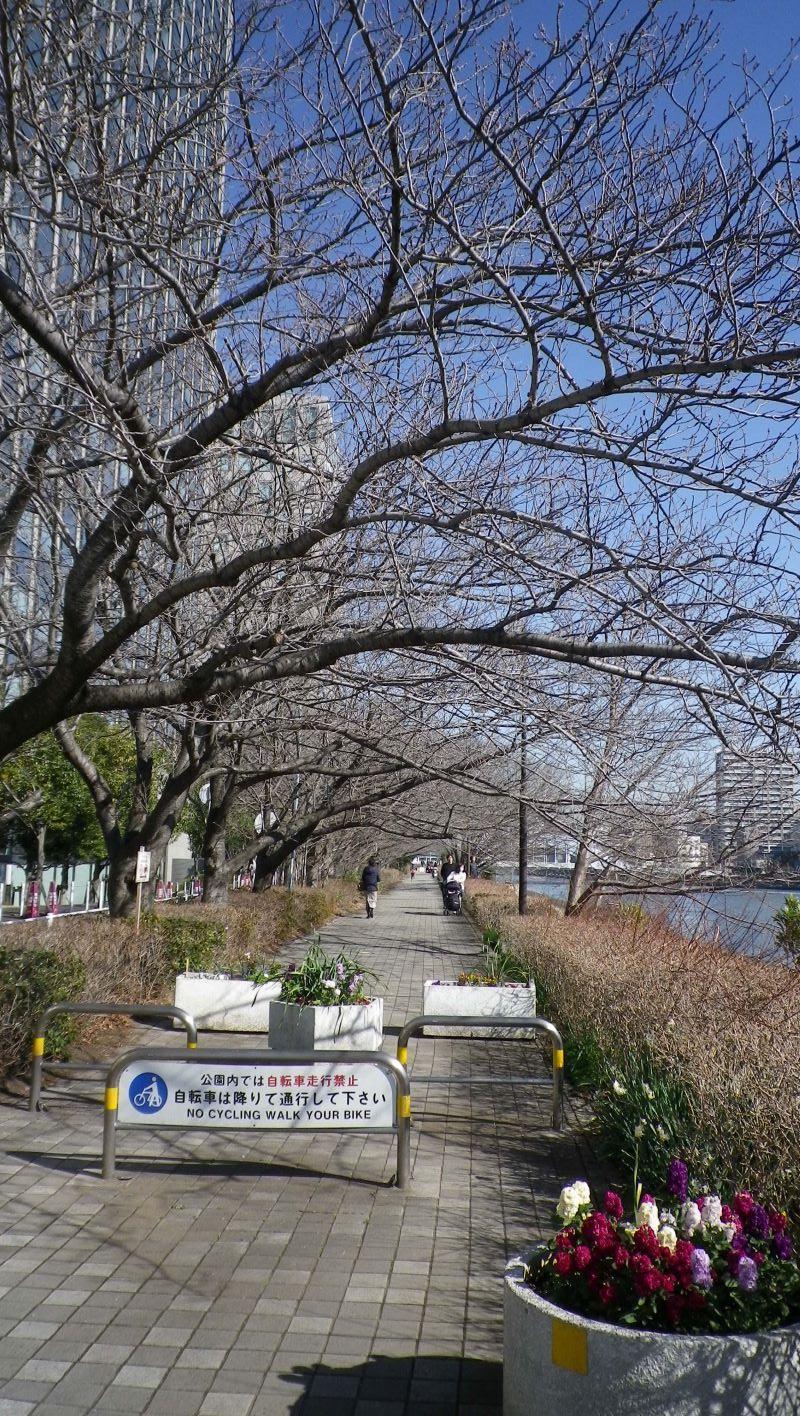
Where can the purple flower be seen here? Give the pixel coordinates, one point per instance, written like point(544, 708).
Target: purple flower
point(747, 1274)
point(702, 1273)
point(783, 1246)
point(340, 970)
point(758, 1222)
point(678, 1180)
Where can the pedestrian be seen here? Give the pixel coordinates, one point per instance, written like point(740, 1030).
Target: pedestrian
point(370, 876)
point(445, 870)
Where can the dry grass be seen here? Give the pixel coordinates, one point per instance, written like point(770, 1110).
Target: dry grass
point(723, 1027)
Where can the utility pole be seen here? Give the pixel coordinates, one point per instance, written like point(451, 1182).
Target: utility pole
point(523, 819)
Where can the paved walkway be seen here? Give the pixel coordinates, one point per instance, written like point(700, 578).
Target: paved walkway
point(262, 1275)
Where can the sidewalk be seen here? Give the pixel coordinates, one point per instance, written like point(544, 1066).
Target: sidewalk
point(264, 1275)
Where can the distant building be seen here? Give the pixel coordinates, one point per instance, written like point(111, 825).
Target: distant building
point(756, 802)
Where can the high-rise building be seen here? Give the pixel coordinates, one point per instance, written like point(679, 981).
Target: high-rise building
point(757, 802)
point(109, 220)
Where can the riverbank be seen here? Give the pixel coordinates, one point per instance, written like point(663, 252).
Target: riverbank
point(693, 1045)
point(737, 918)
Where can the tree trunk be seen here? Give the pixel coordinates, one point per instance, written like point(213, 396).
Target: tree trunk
point(264, 877)
point(215, 876)
point(122, 884)
point(579, 892)
point(41, 832)
point(522, 891)
point(311, 863)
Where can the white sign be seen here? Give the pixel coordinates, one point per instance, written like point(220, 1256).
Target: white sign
point(280, 1097)
point(142, 867)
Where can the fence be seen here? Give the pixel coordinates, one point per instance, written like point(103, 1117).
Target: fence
point(532, 1024)
point(142, 1011)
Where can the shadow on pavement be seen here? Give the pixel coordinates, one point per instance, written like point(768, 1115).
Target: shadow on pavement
point(426, 1386)
point(88, 1165)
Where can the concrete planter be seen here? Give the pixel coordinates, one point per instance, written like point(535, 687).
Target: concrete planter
point(556, 1362)
point(219, 1003)
point(502, 1000)
point(300, 1027)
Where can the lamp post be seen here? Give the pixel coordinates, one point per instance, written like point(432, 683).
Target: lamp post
point(522, 895)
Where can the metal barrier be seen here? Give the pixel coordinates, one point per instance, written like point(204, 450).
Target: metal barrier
point(176, 1091)
point(128, 1010)
point(532, 1024)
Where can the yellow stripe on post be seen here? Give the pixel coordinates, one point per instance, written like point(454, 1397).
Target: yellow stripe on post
point(404, 1106)
point(112, 1098)
point(37, 1050)
point(191, 1044)
point(569, 1347)
point(558, 1057)
point(402, 1056)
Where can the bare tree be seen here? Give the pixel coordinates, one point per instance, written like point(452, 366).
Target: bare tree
point(538, 283)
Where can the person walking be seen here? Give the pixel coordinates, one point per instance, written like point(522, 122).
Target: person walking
point(370, 877)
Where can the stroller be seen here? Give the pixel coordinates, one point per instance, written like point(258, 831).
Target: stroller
point(451, 894)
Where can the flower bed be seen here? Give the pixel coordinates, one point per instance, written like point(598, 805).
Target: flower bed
point(689, 1306)
point(323, 1004)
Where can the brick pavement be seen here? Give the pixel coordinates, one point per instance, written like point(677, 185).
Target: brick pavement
point(261, 1275)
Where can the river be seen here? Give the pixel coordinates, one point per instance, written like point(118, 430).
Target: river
point(739, 919)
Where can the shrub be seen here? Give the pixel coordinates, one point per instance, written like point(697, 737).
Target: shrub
point(189, 945)
point(787, 934)
point(682, 1026)
point(30, 980)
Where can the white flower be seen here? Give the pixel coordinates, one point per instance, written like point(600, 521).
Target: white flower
point(667, 1217)
point(691, 1218)
point(647, 1214)
point(618, 1089)
point(667, 1237)
point(670, 1024)
point(582, 1191)
point(648, 1091)
point(638, 1131)
point(728, 1230)
point(662, 1134)
point(568, 1203)
point(711, 1213)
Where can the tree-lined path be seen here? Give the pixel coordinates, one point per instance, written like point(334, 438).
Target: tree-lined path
point(252, 1276)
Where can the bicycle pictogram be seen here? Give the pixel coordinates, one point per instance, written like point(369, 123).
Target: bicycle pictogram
point(148, 1092)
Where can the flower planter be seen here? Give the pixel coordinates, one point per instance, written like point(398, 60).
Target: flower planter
point(303, 1027)
point(502, 1000)
point(219, 1003)
point(556, 1362)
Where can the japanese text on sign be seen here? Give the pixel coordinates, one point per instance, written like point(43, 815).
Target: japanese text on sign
point(181, 1093)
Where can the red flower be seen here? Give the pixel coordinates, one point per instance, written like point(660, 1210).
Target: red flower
point(778, 1221)
point(564, 1239)
point(613, 1205)
point(668, 1282)
point(743, 1203)
point(645, 1240)
point(675, 1305)
point(607, 1293)
point(563, 1263)
point(582, 1257)
point(683, 1252)
point(621, 1256)
point(641, 1263)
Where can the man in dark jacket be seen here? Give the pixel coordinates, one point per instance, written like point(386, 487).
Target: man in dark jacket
point(370, 877)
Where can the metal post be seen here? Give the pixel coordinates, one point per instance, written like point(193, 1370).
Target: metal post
point(110, 1131)
point(522, 888)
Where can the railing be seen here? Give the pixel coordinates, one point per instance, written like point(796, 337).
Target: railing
point(143, 1011)
point(530, 1024)
point(160, 1089)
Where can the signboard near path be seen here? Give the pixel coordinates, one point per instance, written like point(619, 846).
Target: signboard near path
point(357, 1095)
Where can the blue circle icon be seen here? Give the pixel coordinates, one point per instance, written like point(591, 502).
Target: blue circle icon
point(147, 1093)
